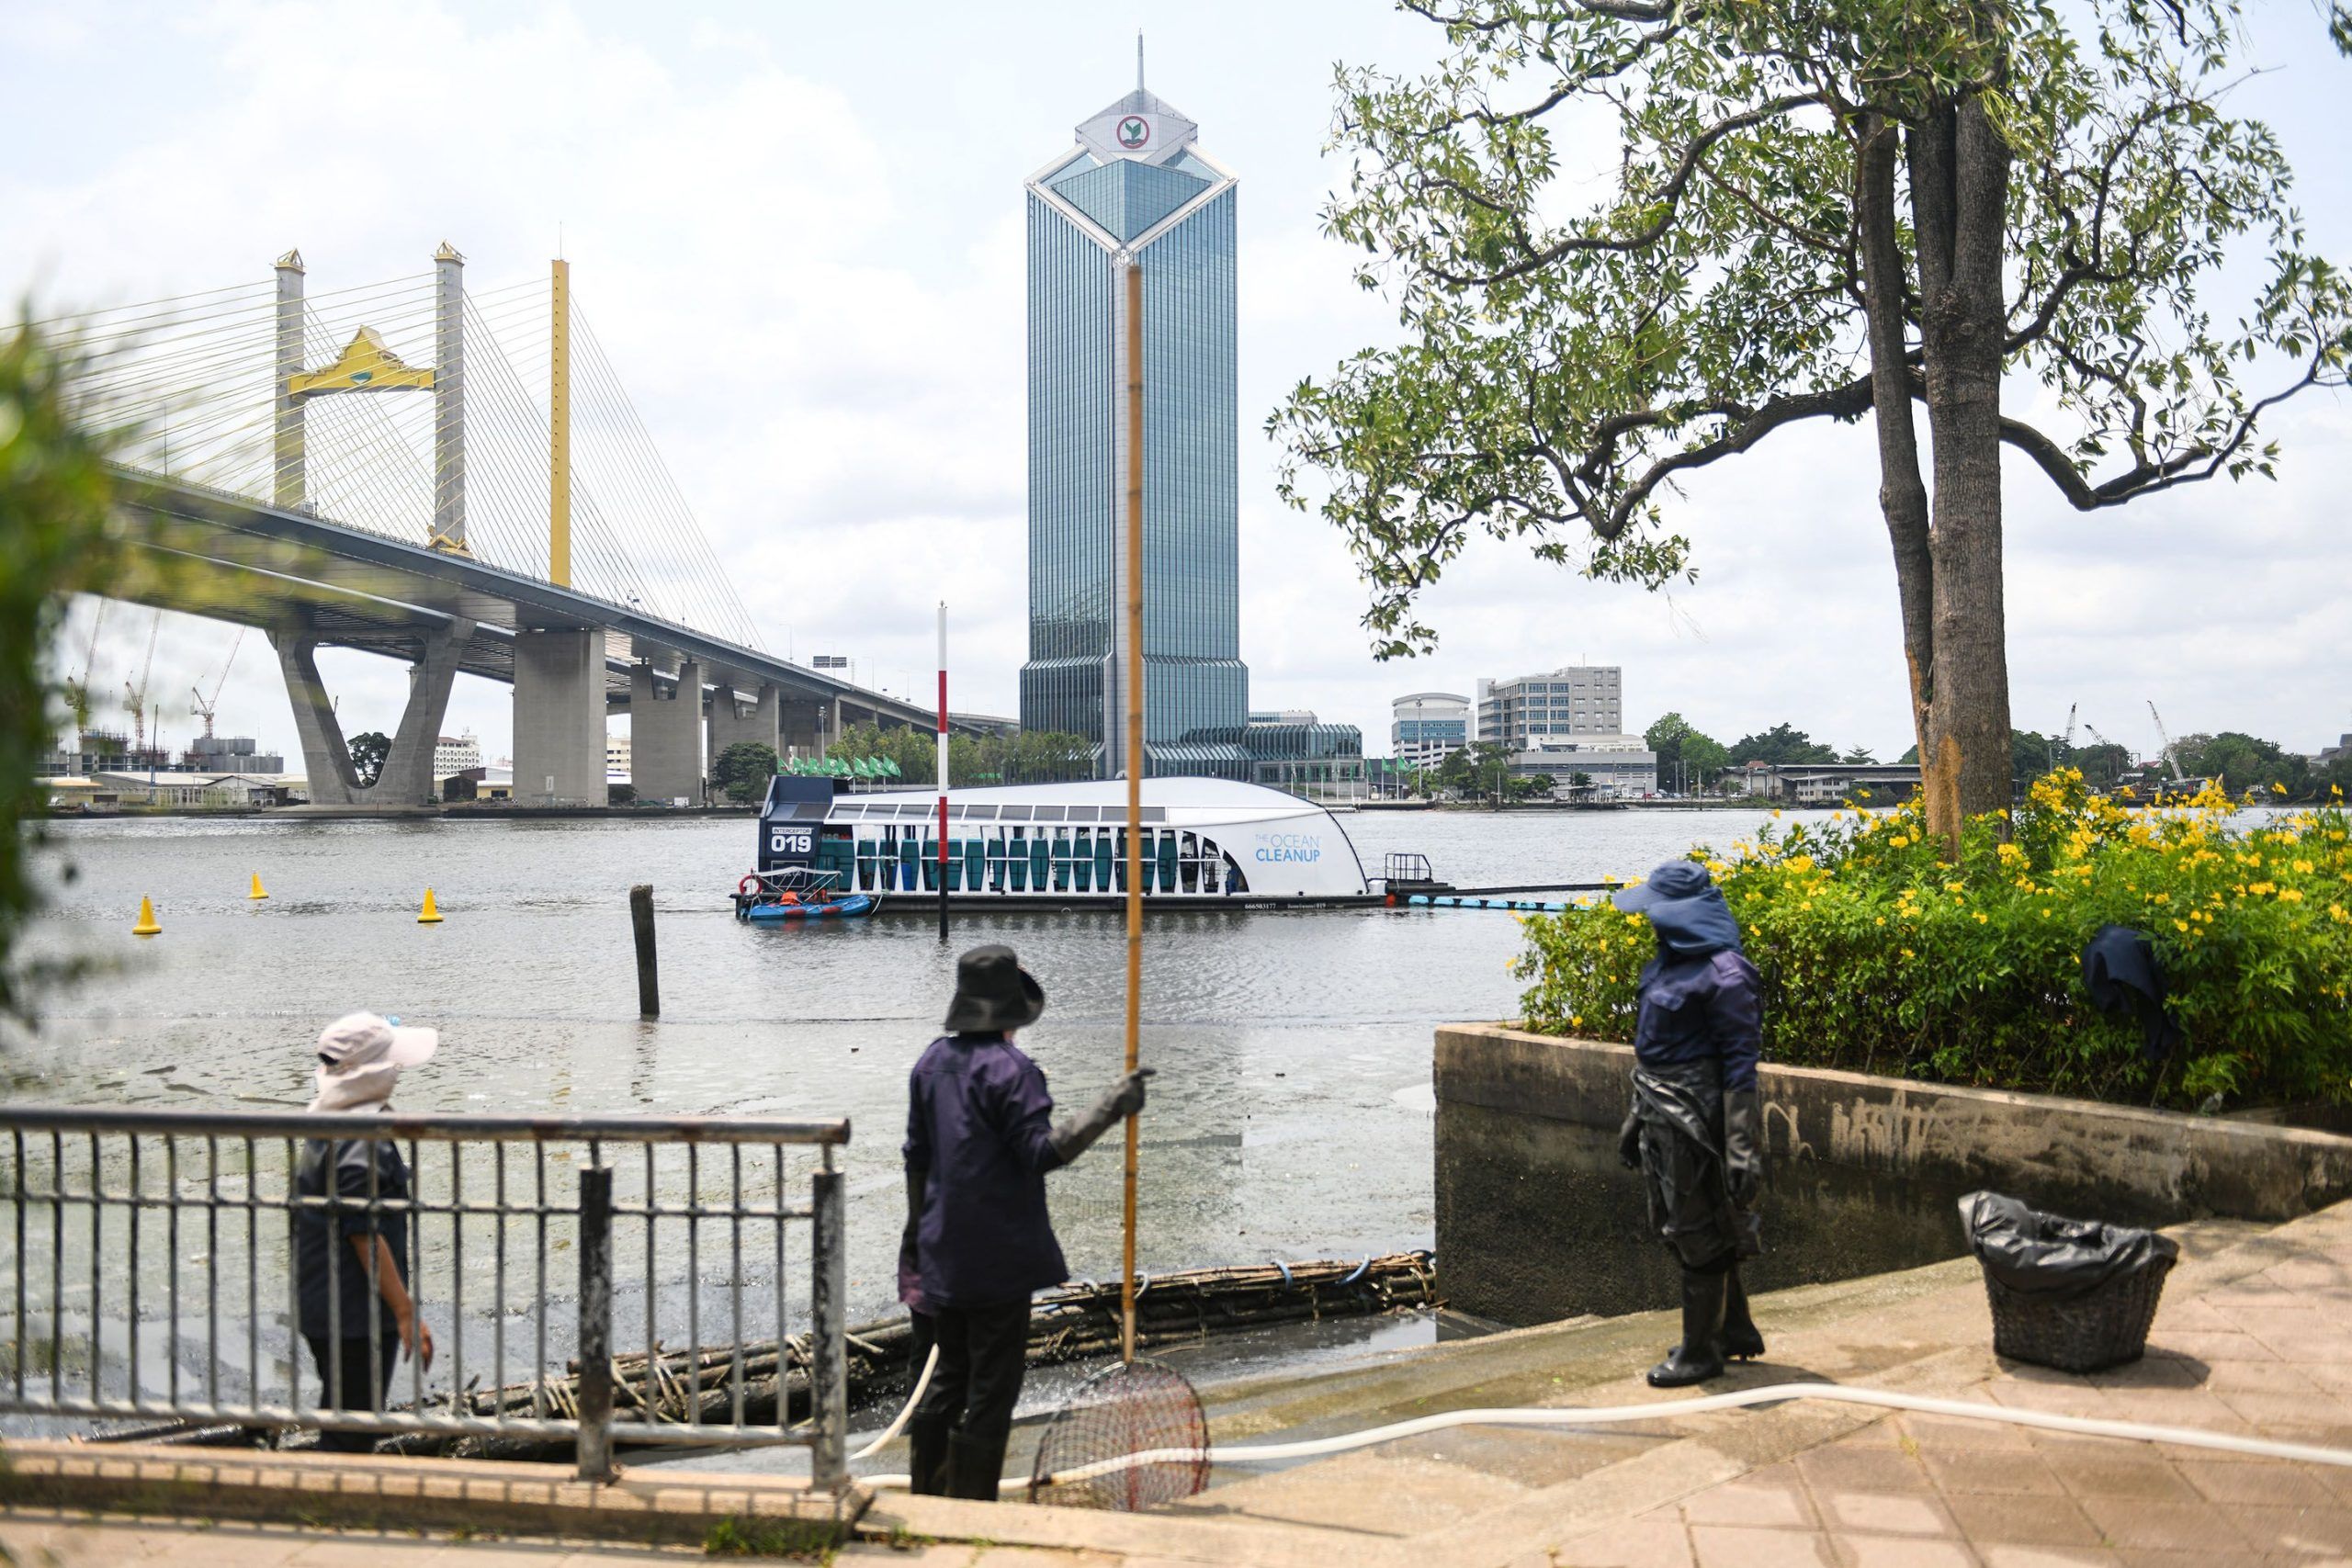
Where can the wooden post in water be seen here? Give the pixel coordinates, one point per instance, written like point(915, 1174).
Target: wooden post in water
point(1135, 783)
point(649, 977)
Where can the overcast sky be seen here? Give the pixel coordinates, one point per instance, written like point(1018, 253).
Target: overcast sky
point(797, 228)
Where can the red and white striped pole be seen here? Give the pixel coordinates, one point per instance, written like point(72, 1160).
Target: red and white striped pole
point(943, 770)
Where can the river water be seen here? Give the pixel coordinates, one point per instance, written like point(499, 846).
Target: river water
point(1292, 1116)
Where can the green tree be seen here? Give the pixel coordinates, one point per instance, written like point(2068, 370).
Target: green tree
point(1858, 756)
point(368, 750)
point(1685, 756)
point(2243, 763)
point(742, 771)
point(1819, 210)
point(1782, 746)
point(54, 495)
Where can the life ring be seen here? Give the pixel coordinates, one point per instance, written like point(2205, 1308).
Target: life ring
point(749, 886)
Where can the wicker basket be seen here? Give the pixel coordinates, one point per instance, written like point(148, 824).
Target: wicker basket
point(2104, 1326)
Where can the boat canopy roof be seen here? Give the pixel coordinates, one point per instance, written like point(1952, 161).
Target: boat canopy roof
point(1177, 802)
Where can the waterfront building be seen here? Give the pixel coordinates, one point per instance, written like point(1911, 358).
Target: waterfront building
point(455, 754)
point(616, 759)
point(1831, 784)
point(1426, 727)
point(1292, 750)
point(1613, 767)
point(1576, 699)
point(1134, 184)
point(230, 754)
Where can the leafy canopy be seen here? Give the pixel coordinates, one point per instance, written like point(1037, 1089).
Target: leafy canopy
point(1585, 324)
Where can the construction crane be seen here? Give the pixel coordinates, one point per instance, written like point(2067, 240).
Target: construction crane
point(2072, 709)
point(2166, 756)
point(204, 706)
point(77, 693)
point(138, 693)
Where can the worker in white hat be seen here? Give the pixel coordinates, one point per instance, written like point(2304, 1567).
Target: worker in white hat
point(356, 1312)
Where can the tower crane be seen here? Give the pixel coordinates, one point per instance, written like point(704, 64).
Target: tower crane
point(138, 693)
point(2164, 740)
point(204, 705)
point(78, 692)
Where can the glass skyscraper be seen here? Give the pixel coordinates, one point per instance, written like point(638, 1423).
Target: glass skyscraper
point(1134, 184)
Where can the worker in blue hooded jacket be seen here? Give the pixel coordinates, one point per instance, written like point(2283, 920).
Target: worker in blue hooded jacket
point(1696, 1128)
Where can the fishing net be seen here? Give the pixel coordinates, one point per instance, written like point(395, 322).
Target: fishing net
point(1127, 1408)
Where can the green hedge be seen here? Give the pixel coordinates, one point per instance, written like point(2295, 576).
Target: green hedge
point(1879, 956)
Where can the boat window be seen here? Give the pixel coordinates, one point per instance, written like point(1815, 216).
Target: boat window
point(844, 812)
point(982, 813)
point(1050, 814)
point(1155, 814)
point(810, 810)
point(1016, 814)
point(912, 810)
point(1085, 814)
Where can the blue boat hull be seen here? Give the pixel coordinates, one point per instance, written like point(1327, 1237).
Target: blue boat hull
point(844, 908)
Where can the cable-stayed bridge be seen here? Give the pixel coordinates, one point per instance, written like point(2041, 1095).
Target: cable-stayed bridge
point(454, 479)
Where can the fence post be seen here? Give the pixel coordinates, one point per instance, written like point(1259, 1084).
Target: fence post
point(595, 1447)
point(828, 1353)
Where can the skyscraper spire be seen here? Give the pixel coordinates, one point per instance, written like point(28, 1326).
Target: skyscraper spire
point(1138, 60)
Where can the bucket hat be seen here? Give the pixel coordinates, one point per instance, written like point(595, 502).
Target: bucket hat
point(360, 1057)
point(1672, 883)
point(993, 993)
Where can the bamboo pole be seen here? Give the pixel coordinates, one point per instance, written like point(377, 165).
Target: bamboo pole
point(1135, 785)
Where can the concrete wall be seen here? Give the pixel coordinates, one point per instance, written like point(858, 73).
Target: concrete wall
point(1536, 1220)
point(559, 718)
point(665, 734)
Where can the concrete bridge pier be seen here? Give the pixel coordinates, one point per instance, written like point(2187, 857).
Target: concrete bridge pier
point(665, 734)
point(559, 717)
point(406, 777)
point(734, 722)
point(804, 727)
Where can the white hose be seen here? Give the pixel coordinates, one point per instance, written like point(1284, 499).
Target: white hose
point(1966, 1410)
point(930, 1365)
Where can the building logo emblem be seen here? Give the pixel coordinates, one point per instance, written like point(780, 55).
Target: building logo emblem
point(1133, 131)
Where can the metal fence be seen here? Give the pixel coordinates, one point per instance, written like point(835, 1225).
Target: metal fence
point(589, 1281)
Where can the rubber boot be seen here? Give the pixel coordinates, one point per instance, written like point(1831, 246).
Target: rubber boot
point(1741, 1340)
point(975, 1465)
point(927, 1463)
point(1696, 1359)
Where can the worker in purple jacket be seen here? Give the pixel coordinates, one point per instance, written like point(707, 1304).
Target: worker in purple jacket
point(1696, 1128)
point(980, 1138)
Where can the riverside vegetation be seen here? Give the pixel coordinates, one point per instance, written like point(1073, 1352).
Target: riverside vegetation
point(1878, 955)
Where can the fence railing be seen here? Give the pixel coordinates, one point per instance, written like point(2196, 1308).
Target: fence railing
point(590, 1280)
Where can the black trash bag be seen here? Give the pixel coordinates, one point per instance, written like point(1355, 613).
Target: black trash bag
point(2048, 1254)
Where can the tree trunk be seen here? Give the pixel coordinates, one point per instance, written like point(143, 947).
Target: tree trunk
point(1960, 172)
point(1902, 496)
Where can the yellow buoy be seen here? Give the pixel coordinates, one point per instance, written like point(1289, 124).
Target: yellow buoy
point(258, 891)
point(431, 914)
point(146, 926)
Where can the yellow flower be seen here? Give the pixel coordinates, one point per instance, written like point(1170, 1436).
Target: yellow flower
point(1981, 916)
point(2304, 866)
point(2180, 925)
point(2278, 788)
point(1908, 953)
point(2011, 852)
point(2290, 895)
point(1881, 919)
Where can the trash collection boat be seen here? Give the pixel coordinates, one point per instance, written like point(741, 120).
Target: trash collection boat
point(793, 893)
point(1207, 843)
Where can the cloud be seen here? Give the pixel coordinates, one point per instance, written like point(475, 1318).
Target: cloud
point(805, 263)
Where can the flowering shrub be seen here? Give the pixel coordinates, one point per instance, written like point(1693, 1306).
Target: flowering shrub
point(1879, 956)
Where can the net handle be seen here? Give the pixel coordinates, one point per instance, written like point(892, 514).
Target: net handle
point(1134, 765)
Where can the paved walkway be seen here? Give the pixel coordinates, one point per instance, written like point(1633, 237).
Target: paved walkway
point(2255, 1337)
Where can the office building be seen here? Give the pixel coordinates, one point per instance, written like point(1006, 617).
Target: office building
point(455, 754)
point(1426, 727)
point(1589, 767)
point(1292, 750)
point(1581, 699)
point(1135, 183)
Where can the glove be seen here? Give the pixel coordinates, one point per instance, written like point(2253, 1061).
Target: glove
point(1076, 1134)
point(1629, 1138)
point(1743, 1147)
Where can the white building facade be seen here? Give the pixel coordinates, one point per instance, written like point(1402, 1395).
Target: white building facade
point(1578, 699)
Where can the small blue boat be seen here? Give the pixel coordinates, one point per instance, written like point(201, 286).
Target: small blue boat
point(794, 894)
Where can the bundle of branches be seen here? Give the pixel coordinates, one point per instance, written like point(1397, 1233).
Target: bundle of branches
point(1076, 1322)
